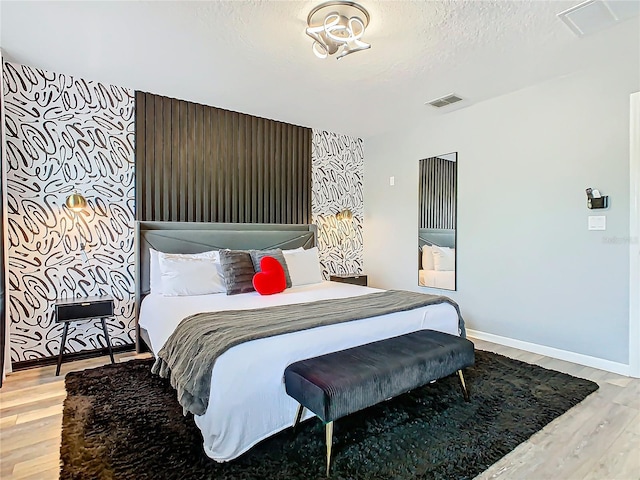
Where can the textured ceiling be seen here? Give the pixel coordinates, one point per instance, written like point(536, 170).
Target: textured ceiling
point(254, 57)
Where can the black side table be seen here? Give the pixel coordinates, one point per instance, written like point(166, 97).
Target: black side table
point(78, 309)
point(353, 278)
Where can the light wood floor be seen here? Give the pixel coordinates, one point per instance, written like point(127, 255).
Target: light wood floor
point(598, 439)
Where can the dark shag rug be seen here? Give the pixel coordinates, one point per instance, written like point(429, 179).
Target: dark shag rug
point(122, 422)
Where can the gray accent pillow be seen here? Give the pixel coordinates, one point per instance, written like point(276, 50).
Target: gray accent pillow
point(257, 255)
point(237, 271)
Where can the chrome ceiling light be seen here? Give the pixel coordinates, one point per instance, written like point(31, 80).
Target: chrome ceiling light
point(337, 27)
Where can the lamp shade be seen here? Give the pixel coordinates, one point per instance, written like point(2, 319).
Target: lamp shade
point(76, 202)
point(344, 214)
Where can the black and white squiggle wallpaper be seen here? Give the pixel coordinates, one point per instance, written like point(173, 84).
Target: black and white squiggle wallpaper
point(64, 134)
point(337, 173)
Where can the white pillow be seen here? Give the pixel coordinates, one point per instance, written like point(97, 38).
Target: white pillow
point(155, 275)
point(294, 249)
point(303, 265)
point(444, 258)
point(189, 276)
point(427, 258)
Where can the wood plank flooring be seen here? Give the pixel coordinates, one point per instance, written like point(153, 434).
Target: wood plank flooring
point(597, 440)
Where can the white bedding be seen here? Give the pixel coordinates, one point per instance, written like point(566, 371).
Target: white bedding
point(248, 402)
point(437, 279)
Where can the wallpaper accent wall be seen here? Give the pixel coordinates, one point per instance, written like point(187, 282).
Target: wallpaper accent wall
point(337, 172)
point(65, 133)
point(4, 352)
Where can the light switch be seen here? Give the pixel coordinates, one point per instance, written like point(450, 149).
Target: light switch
point(597, 222)
point(392, 181)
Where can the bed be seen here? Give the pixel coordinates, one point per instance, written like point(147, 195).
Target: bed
point(437, 258)
point(247, 400)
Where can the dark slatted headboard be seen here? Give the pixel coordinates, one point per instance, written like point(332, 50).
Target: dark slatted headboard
point(196, 237)
point(442, 237)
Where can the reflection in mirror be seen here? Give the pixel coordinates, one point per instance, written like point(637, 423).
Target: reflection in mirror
point(437, 223)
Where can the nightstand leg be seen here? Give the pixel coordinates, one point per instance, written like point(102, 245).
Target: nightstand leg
point(64, 341)
point(106, 337)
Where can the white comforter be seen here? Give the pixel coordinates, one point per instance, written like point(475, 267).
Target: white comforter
point(248, 402)
point(437, 279)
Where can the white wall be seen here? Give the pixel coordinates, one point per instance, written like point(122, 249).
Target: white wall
point(528, 269)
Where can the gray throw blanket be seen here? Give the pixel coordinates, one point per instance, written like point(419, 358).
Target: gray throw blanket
point(188, 356)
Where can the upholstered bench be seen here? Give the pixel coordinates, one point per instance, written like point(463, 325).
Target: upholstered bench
point(343, 382)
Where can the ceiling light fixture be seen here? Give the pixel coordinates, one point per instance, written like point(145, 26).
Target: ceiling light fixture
point(593, 15)
point(337, 27)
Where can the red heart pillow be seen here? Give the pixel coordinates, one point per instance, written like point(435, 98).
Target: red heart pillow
point(270, 279)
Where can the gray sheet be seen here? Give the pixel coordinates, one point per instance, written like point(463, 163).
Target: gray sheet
point(189, 354)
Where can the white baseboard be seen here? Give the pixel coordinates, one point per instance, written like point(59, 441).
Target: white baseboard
point(573, 357)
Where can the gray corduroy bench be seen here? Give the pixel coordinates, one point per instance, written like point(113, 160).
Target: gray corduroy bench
point(343, 382)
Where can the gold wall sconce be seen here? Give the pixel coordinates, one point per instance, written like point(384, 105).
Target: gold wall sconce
point(77, 203)
point(344, 214)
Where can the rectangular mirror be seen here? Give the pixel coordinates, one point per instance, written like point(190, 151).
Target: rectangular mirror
point(437, 223)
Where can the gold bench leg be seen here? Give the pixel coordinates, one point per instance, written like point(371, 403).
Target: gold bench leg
point(298, 416)
point(329, 434)
point(464, 386)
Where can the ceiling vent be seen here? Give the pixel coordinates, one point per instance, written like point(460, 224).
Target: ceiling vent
point(594, 15)
point(444, 101)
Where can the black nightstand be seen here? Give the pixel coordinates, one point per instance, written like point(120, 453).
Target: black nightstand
point(78, 309)
point(353, 278)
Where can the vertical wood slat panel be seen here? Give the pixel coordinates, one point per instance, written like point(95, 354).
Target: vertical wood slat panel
point(289, 159)
point(421, 182)
point(248, 165)
point(242, 169)
point(277, 169)
point(175, 160)
point(182, 161)
point(148, 174)
point(306, 192)
point(207, 164)
point(165, 138)
point(140, 130)
point(254, 169)
point(200, 163)
point(229, 164)
point(437, 193)
point(158, 128)
point(188, 184)
point(219, 161)
point(264, 161)
point(293, 141)
point(272, 173)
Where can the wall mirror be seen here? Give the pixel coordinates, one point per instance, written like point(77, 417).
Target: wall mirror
point(437, 223)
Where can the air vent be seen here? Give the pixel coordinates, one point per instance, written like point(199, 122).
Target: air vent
point(444, 101)
point(594, 15)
